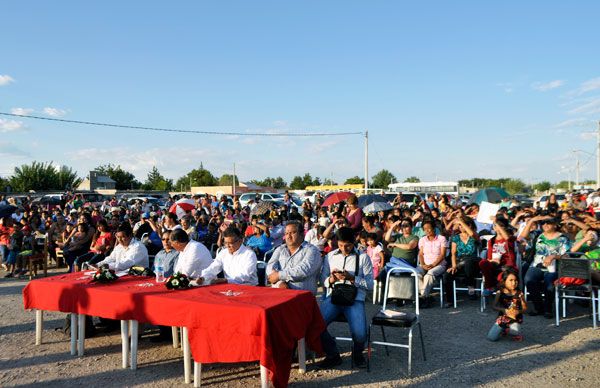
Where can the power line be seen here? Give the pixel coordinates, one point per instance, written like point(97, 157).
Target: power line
point(185, 130)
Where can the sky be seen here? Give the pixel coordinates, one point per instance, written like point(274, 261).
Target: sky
point(446, 90)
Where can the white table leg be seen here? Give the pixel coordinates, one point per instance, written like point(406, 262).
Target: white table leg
point(187, 364)
point(175, 335)
point(134, 343)
point(73, 334)
point(264, 377)
point(197, 374)
point(80, 334)
point(125, 342)
point(302, 356)
point(39, 324)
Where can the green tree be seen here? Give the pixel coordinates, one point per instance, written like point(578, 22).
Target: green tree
point(297, 183)
point(382, 179)
point(564, 185)
point(277, 183)
point(197, 177)
point(542, 186)
point(355, 180)
point(67, 178)
point(329, 182)
point(156, 181)
point(36, 176)
point(412, 179)
point(514, 186)
point(124, 179)
point(227, 180)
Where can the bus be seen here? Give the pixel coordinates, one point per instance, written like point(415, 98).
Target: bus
point(450, 188)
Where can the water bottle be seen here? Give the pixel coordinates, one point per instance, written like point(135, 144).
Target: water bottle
point(159, 270)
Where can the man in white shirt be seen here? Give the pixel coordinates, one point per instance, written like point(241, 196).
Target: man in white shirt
point(237, 262)
point(128, 251)
point(277, 230)
point(193, 256)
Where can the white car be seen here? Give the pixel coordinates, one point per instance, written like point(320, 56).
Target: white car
point(560, 198)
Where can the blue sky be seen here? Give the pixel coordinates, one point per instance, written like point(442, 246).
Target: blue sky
point(447, 90)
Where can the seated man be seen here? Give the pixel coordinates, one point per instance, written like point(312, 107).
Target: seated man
point(295, 264)
point(339, 266)
point(193, 256)
point(261, 240)
point(167, 257)
point(237, 262)
point(128, 251)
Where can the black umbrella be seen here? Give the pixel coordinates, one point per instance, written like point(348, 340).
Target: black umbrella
point(7, 210)
point(368, 199)
point(262, 208)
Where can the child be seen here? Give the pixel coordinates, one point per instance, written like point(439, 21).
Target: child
point(375, 253)
point(510, 304)
point(14, 248)
point(362, 242)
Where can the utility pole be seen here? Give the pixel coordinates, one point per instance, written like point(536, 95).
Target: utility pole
point(598, 159)
point(367, 158)
point(233, 180)
point(576, 167)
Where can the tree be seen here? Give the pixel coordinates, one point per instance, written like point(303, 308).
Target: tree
point(382, 179)
point(542, 186)
point(329, 182)
point(564, 185)
point(37, 176)
point(124, 179)
point(67, 178)
point(196, 177)
point(355, 180)
point(227, 180)
point(412, 179)
point(156, 181)
point(514, 186)
point(297, 183)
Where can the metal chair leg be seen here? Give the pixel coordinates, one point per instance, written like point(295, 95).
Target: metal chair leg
point(387, 351)
point(410, 350)
point(556, 306)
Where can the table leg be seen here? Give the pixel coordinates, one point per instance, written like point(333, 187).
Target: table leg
point(186, 356)
point(39, 324)
point(302, 356)
point(175, 335)
point(264, 377)
point(197, 374)
point(73, 334)
point(125, 342)
point(134, 343)
point(80, 334)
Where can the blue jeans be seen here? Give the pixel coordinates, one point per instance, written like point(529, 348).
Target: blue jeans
point(357, 321)
point(496, 331)
point(4, 253)
point(533, 280)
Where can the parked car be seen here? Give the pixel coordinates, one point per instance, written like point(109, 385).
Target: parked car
point(542, 202)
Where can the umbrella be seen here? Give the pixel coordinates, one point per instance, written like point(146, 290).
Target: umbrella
point(375, 207)
point(334, 198)
point(368, 199)
point(491, 194)
point(182, 206)
point(50, 201)
point(7, 210)
point(262, 207)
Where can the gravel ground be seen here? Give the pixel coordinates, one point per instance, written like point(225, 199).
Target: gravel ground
point(457, 354)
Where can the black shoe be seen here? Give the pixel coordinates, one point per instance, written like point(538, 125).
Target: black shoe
point(548, 315)
point(161, 338)
point(532, 313)
point(330, 362)
point(360, 362)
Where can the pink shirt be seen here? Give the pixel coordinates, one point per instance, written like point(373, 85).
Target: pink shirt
point(432, 249)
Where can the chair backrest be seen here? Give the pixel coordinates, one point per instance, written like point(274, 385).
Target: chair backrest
point(574, 268)
point(402, 269)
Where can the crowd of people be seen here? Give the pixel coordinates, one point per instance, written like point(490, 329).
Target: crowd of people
point(335, 246)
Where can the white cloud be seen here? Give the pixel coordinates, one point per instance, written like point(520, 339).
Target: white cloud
point(588, 86)
point(5, 80)
point(280, 123)
point(590, 107)
point(54, 112)
point(9, 150)
point(11, 126)
point(545, 86)
point(507, 87)
point(574, 123)
point(21, 111)
point(588, 135)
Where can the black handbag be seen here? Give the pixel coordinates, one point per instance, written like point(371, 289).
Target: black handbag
point(344, 293)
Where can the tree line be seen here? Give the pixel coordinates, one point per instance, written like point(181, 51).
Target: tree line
point(43, 176)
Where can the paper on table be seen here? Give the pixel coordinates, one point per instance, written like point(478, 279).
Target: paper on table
point(122, 273)
point(486, 211)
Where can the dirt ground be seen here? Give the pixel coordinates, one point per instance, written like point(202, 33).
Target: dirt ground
point(458, 354)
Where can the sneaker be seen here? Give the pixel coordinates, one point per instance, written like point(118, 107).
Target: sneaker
point(9, 275)
point(360, 362)
point(330, 362)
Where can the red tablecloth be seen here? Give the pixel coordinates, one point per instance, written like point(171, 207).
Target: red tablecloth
point(258, 324)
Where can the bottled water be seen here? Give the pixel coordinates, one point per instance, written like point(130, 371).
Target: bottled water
point(159, 271)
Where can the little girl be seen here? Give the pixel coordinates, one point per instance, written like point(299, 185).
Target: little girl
point(375, 253)
point(510, 304)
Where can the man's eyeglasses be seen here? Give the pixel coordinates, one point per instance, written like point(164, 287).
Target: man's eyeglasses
point(232, 243)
